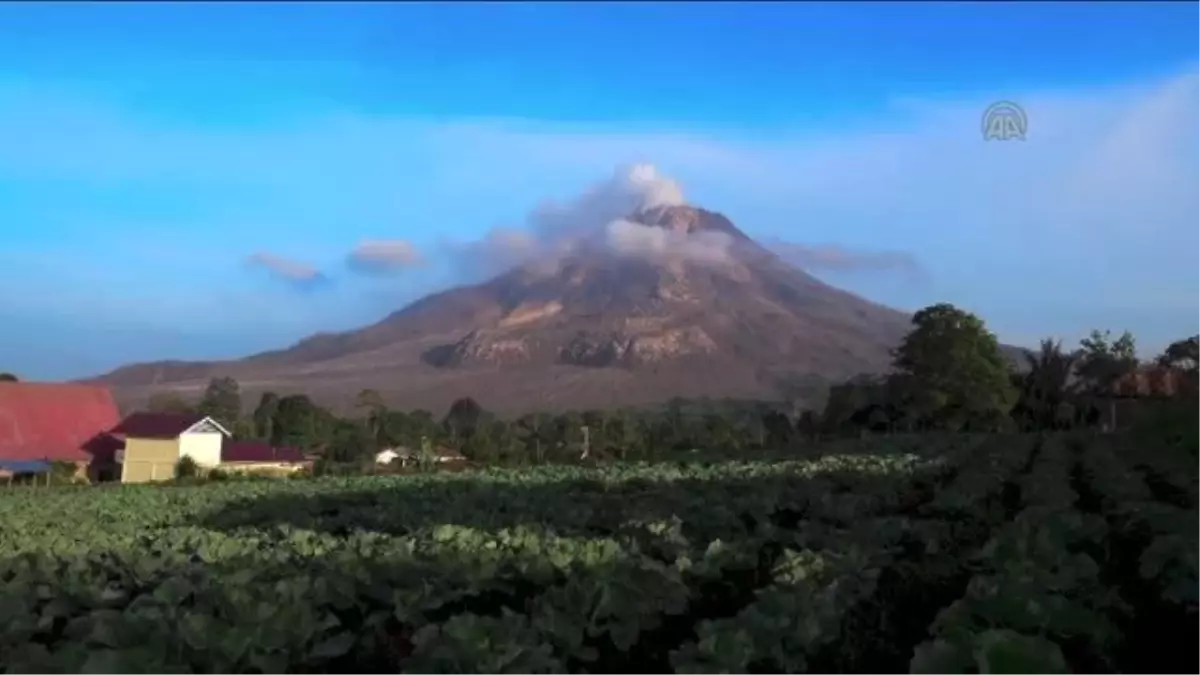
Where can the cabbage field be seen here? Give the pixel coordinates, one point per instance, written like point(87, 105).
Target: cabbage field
point(946, 554)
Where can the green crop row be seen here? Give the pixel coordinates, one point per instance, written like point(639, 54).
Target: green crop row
point(968, 546)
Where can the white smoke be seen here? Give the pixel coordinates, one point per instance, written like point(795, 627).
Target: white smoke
point(635, 240)
point(598, 217)
point(834, 258)
point(629, 190)
point(499, 250)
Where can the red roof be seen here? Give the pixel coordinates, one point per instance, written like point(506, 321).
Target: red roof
point(258, 451)
point(57, 422)
point(156, 425)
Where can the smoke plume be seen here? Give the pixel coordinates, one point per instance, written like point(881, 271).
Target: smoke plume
point(833, 258)
point(595, 218)
point(635, 240)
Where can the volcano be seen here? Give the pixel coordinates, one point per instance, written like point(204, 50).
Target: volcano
point(670, 301)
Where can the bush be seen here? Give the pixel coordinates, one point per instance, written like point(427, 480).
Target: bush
point(1175, 423)
point(187, 468)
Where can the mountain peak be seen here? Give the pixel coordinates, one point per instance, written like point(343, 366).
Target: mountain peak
point(686, 219)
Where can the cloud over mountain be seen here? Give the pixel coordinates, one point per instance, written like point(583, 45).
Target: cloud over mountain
point(298, 274)
point(384, 256)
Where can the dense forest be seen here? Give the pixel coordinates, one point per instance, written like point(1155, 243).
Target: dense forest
point(949, 374)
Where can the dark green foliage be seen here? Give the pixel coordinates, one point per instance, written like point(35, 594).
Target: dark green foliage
point(956, 374)
point(1103, 362)
point(952, 553)
point(264, 416)
point(222, 401)
point(186, 468)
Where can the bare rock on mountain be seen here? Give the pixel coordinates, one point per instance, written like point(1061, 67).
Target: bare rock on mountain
point(671, 301)
point(596, 350)
point(671, 344)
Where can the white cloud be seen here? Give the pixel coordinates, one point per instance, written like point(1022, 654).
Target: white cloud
point(384, 256)
point(293, 271)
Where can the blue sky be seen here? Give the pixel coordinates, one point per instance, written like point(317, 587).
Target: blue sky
point(187, 181)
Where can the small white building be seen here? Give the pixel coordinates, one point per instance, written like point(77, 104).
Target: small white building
point(388, 455)
point(407, 456)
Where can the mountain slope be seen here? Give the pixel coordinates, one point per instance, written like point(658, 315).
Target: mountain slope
point(673, 301)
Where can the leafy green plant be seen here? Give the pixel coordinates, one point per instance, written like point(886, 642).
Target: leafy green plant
point(186, 467)
point(771, 564)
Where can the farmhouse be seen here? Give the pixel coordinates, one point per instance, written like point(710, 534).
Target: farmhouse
point(155, 442)
point(42, 423)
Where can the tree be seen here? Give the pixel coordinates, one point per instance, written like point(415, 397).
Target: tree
point(299, 423)
point(418, 424)
point(222, 401)
point(1183, 356)
point(534, 430)
point(264, 415)
point(375, 410)
point(463, 419)
point(425, 456)
point(778, 429)
point(349, 442)
point(844, 401)
point(624, 435)
point(1104, 362)
point(8, 377)
point(957, 370)
point(807, 425)
point(718, 430)
point(1047, 386)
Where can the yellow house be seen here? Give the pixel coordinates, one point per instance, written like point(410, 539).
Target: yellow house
point(155, 442)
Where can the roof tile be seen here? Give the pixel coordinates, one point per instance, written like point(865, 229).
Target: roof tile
point(156, 424)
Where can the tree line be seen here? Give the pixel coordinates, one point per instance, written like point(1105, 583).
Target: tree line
point(624, 434)
point(948, 374)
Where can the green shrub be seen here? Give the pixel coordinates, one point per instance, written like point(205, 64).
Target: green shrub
point(1177, 423)
point(186, 468)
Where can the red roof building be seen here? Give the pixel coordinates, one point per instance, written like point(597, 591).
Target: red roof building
point(56, 422)
point(258, 452)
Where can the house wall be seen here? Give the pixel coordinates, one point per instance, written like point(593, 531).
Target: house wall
point(203, 447)
point(265, 467)
point(149, 459)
